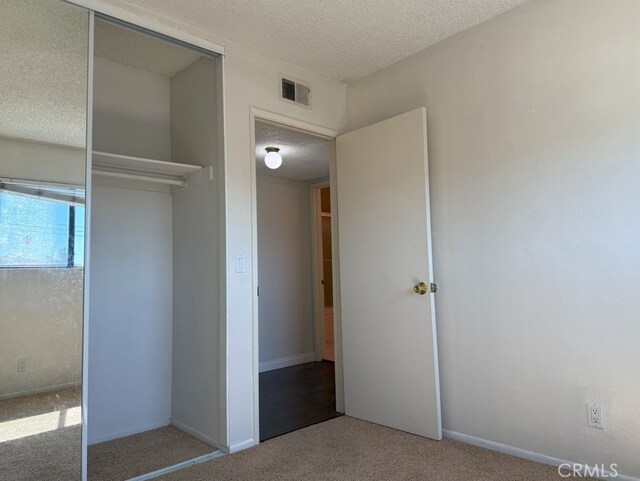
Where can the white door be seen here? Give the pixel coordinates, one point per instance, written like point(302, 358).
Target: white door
point(388, 330)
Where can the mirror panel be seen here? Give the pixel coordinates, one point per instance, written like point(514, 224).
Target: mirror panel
point(43, 118)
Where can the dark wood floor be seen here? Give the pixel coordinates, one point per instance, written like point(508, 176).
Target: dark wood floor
point(295, 397)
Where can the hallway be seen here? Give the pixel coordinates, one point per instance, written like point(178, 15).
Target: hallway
point(295, 397)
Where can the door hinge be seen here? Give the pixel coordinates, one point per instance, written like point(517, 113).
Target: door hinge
point(258, 291)
point(433, 287)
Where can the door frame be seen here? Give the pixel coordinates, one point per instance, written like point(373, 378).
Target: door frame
point(256, 113)
point(317, 271)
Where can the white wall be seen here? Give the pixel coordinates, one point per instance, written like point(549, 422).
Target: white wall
point(130, 335)
point(194, 110)
point(132, 110)
point(28, 160)
point(196, 352)
point(196, 257)
point(41, 322)
point(533, 147)
point(284, 270)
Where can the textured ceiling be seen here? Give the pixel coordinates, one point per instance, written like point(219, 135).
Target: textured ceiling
point(43, 67)
point(342, 39)
point(304, 156)
point(141, 51)
point(43, 71)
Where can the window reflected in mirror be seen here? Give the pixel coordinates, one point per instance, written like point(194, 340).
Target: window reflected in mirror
point(40, 229)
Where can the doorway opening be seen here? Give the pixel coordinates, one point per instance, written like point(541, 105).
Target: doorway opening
point(297, 375)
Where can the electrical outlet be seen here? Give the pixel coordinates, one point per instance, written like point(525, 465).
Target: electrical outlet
point(22, 365)
point(595, 414)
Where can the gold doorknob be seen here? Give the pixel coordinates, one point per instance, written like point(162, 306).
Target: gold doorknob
point(420, 288)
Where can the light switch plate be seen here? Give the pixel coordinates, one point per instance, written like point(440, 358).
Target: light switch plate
point(241, 263)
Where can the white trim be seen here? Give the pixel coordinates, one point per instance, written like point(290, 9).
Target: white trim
point(249, 443)
point(287, 361)
point(520, 453)
point(84, 436)
point(432, 295)
point(223, 265)
point(292, 123)
point(196, 434)
point(127, 432)
point(41, 390)
point(255, 329)
point(337, 297)
point(140, 20)
point(179, 466)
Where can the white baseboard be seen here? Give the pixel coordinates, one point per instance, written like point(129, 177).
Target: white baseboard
point(196, 434)
point(39, 390)
point(128, 432)
point(287, 361)
point(234, 448)
point(521, 453)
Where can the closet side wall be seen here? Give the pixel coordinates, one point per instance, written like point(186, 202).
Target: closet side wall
point(196, 325)
point(194, 126)
point(130, 332)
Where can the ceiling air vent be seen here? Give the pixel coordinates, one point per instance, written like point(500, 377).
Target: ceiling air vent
point(295, 92)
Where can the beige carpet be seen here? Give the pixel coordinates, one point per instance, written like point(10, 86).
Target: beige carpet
point(40, 436)
point(35, 404)
point(142, 453)
point(346, 449)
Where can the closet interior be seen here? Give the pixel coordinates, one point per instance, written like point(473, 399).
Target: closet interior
point(154, 267)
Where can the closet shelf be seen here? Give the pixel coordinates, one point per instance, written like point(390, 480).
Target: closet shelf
point(146, 170)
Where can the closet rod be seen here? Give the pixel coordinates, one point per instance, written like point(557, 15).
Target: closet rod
point(145, 178)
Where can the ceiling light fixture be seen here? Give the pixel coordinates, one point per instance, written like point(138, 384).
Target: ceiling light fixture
point(273, 159)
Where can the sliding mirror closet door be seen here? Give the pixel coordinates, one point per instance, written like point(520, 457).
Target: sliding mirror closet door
point(43, 123)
